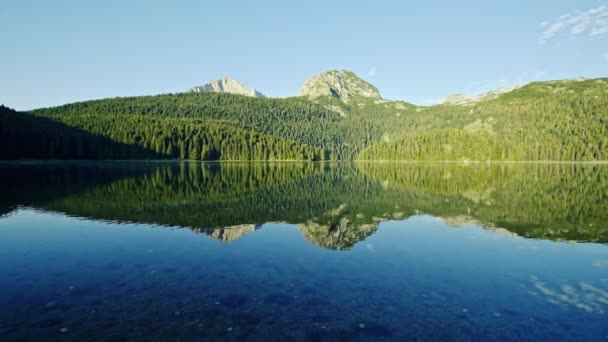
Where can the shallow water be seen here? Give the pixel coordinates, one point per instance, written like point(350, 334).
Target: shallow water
point(168, 251)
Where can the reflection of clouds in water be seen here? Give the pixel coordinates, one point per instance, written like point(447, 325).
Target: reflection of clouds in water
point(424, 218)
point(583, 295)
point(601, 264)
point(370, 248)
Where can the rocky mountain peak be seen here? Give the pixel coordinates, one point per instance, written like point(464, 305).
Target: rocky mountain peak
point(342, 84)
point(227, 85)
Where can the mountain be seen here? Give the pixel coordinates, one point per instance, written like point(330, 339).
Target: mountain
point(341, 84)
point(227, 85)
point(338, 116)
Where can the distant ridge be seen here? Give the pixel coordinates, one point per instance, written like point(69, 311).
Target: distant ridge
point(464, 99)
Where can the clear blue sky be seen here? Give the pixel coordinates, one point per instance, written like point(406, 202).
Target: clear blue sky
point(53, 52)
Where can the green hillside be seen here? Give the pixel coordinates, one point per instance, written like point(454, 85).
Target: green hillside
point(560, 120)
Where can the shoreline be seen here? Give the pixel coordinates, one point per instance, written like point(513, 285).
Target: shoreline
point(379, 161)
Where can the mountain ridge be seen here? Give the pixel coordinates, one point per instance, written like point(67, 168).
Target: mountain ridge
point(338, 117)
point(346, 85)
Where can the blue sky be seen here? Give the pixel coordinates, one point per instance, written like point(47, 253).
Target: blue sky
point(54, 52)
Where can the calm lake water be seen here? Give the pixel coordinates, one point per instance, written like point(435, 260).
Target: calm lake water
point(304, 252)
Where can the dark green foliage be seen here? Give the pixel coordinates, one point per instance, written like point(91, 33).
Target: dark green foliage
point(113, 136)
point(293, 120)
point(195, 139)
point(25, 136)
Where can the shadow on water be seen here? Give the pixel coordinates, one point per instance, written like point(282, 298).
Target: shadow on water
point(31, 184)
point(334, 205)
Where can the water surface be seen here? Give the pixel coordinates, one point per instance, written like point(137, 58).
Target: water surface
point(168, 251)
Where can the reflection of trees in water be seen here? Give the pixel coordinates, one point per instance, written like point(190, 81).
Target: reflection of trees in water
point(34, 183)
point(583, 295)
point(553, 201)
point(336, 205)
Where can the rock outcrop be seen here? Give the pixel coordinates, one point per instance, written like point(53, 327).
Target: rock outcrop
point(227, 85)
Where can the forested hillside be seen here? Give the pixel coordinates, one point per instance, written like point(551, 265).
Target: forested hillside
point(92, 135)
point(25, 136)
point(558, 120)
point(293, 119)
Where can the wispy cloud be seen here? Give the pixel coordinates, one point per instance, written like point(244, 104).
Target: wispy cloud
point(592, 22)
point(372, 72)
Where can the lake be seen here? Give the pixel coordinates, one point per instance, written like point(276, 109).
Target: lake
point(167, 251)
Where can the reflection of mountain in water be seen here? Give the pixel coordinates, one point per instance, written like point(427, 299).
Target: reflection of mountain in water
point(335, 230)
point(340, 235)
point(230, 233)
point(334, 205)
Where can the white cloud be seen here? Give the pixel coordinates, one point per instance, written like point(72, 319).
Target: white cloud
point(593, 22)
point(372, 72)
point(598, 31)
